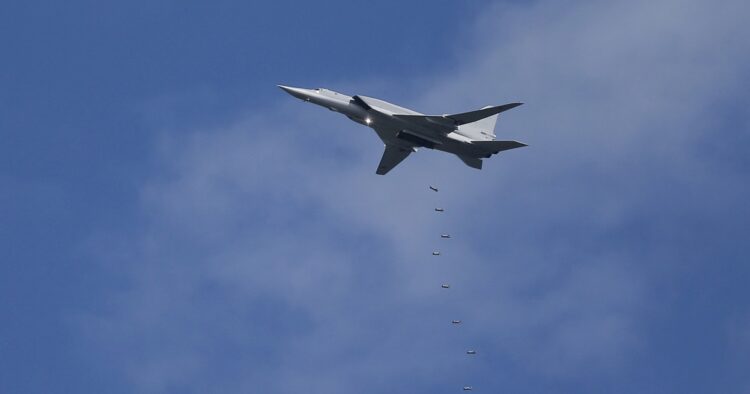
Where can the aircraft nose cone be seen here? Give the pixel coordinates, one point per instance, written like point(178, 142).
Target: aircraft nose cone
point(296, 92)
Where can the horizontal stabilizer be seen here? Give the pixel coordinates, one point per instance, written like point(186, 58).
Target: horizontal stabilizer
point(493, 147)
point(472, 162)
point(473, 116)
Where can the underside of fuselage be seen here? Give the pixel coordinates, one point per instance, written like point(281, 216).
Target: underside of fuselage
point(416, 140)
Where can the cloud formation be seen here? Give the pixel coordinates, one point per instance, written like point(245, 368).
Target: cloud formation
point(270, 256)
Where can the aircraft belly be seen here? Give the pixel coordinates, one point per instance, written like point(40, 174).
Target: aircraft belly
point(432, 134)
point(389, 135)
point(399, 132)
point(456, 147)
point(416, 139)
point(421, 136)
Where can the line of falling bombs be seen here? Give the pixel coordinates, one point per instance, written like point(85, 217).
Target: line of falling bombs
point(470, 352)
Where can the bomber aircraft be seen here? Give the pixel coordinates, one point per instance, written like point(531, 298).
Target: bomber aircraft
point(468, 135)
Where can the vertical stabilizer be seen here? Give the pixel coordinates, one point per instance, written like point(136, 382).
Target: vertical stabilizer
point(482, 129)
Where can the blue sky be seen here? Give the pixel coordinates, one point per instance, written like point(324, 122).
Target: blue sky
point(172, 222)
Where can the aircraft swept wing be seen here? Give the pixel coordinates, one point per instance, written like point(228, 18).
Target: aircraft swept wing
point(449, 122)
point(486, 112)
point(392, 155)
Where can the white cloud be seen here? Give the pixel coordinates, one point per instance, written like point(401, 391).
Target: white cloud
point(269, 258)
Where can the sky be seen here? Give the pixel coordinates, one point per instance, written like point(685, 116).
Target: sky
point(172, 222)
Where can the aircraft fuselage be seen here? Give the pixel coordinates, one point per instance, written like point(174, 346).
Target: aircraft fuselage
point(397, 131)
point(468, 135)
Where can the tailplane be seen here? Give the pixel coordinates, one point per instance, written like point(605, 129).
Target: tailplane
point(484, 149)
point(489, 148)
point(472, 162)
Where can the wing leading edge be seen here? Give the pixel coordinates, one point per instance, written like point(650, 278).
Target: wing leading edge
point(486, 112)
point(392, 156)
point(448, 123)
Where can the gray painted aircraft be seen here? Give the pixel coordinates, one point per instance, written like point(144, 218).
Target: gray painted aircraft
point(468, 135)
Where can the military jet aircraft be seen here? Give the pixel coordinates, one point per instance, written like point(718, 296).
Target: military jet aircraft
point(468, 135)
point(456, 321)
point(468, 388)
point(445, 236)
point(433, 188)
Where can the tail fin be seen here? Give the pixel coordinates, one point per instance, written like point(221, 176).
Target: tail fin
point(482, 129)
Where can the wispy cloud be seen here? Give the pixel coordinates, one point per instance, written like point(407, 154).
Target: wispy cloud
point(271, 256)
